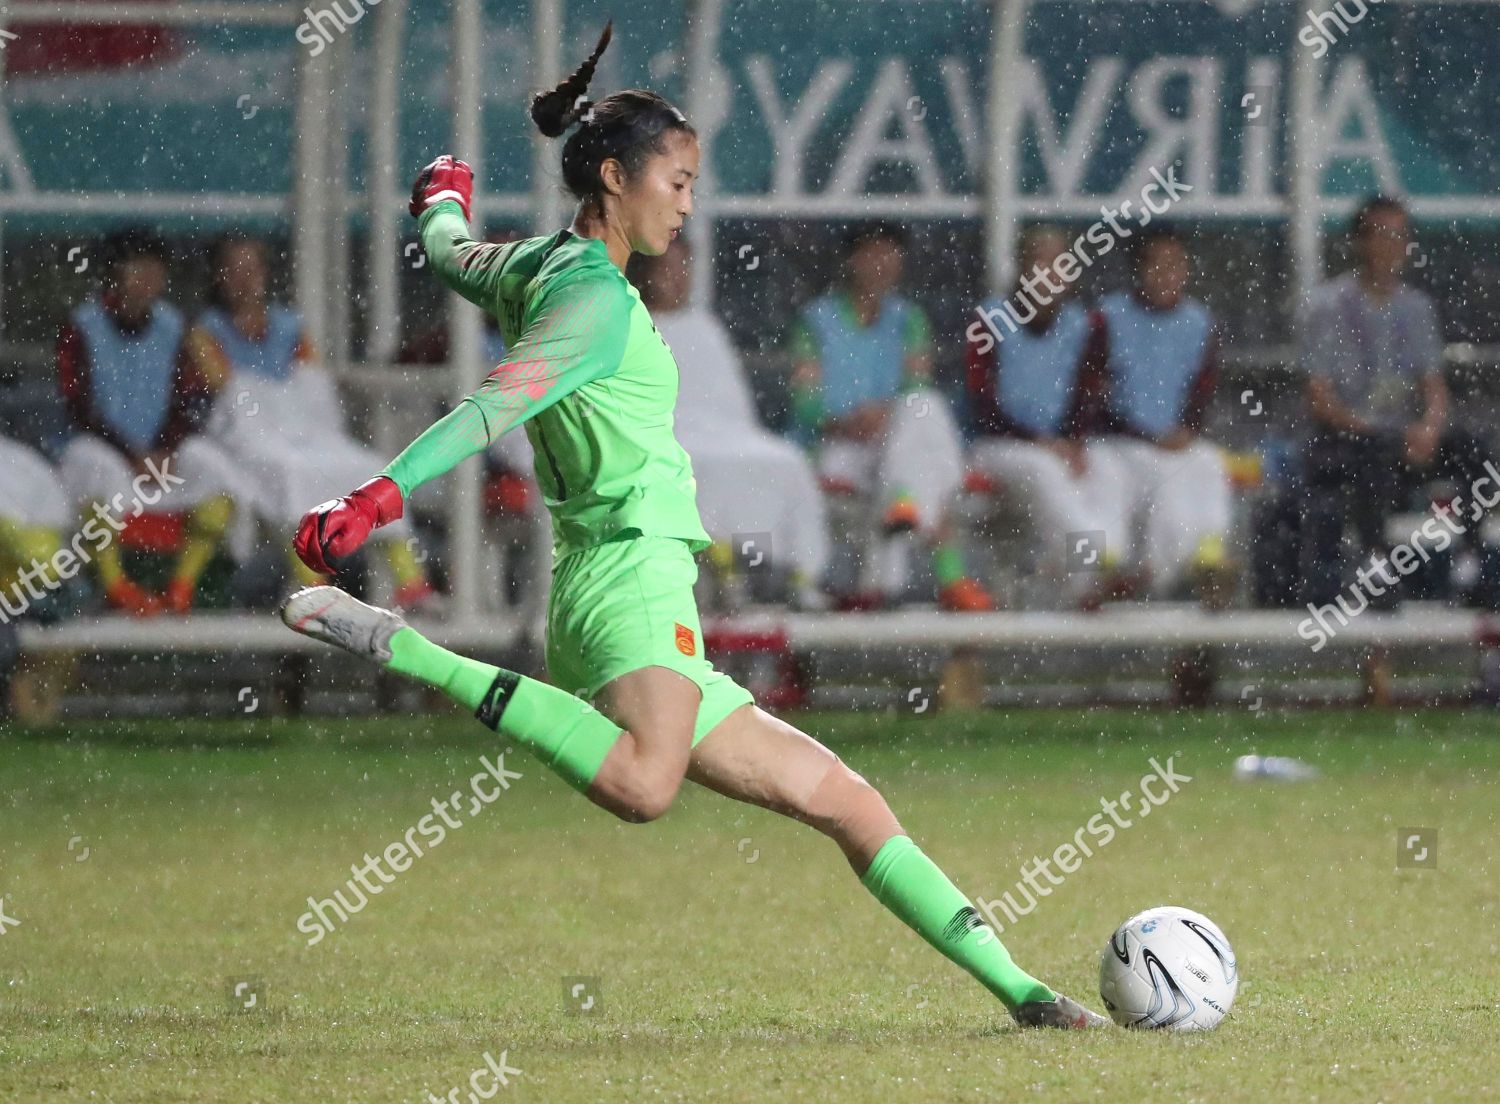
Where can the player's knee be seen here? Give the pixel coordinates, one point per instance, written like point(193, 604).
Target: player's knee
point(846, 807)
point(650, 802)
point(648, 794)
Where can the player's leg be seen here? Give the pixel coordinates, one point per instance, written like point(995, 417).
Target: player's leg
point(200, 480)
point(1037, 480)
point(1190, 514)
point(921, 464)
point(1134, 461)
point(568, 735)
point(655, 709)
point(884, 550)
point(783, 503)
point(1106, 488)
point(617, 616)
point(97, 478)
point(204, 527)
point(757, 758)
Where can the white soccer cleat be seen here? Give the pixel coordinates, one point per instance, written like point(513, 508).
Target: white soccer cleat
point(1061, 1012)
point(329, 614)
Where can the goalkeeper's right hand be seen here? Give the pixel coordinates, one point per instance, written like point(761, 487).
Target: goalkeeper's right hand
point(445, 178)
point(338, 527)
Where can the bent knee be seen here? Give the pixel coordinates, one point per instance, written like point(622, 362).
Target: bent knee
point(646, 796)
point(651, 805)
point(844, 803)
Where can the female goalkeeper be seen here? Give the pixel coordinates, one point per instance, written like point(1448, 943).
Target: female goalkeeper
point(594, 384)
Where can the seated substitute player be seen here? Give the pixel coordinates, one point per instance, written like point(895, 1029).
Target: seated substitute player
point(594, 384)
point(1162, 368)
point(278, 414)
point(750, 480)
point(137, 402)
point(1035, 392)
point(862, 395)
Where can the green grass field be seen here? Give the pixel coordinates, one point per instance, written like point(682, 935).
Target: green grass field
point(718, 977)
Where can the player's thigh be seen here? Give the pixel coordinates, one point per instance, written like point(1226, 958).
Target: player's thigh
point(1136, 461)
point(757, 758)
point(1032, 467)
point(29, 488)
point(199, 470)
point(623, 632)
point(94, 471)
point(658, 707)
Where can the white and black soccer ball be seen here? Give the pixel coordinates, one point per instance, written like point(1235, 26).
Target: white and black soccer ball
point(1168, 968)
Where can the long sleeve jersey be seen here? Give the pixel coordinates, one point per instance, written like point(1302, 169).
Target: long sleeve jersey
point(587, 374)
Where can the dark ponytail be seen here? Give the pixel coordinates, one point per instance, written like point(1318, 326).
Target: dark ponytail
point(627, 126)
point(555, 111)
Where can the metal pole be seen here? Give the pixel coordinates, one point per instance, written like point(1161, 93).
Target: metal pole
point(310, 196)
point(340, 291)
point(3, 28)
point(1305, 171)
point(546, 50)
point(381, 264)
point(708, 106)
point(1002, 148)
point(177, 14)
point(464, 338)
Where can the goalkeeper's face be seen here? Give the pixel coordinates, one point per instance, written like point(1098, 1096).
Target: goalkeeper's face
point(656, 202)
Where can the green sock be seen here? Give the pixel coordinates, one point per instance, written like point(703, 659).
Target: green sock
point(910, 884)
point(564, 732)
point(947, 565)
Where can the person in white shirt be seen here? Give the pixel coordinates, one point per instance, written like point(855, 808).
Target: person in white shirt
point(1034, 395)
point(278, 413)
point(1162, 369)
point(753, 485)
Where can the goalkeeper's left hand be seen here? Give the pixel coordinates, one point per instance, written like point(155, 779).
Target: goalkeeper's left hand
point(338, 527)
point(445, 178)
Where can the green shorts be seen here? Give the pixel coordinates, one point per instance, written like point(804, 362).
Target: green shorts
point(628, 604)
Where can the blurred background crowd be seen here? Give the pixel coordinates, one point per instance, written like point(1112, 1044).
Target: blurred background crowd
point(931, 360)
point(1073, 459)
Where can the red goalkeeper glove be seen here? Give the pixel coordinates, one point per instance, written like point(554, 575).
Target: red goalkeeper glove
point(339, 526)
point(445, 178)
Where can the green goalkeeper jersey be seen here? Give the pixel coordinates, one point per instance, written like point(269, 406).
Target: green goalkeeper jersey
point(587, 373)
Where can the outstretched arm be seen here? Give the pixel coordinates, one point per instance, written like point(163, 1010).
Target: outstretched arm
point(577, 336)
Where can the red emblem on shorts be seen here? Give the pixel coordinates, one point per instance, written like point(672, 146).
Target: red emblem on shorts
point(685, 642)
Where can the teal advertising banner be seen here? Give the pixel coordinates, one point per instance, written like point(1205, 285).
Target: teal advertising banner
point(833, 107)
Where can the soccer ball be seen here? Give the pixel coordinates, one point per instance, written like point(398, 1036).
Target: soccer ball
point(1168, 968)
